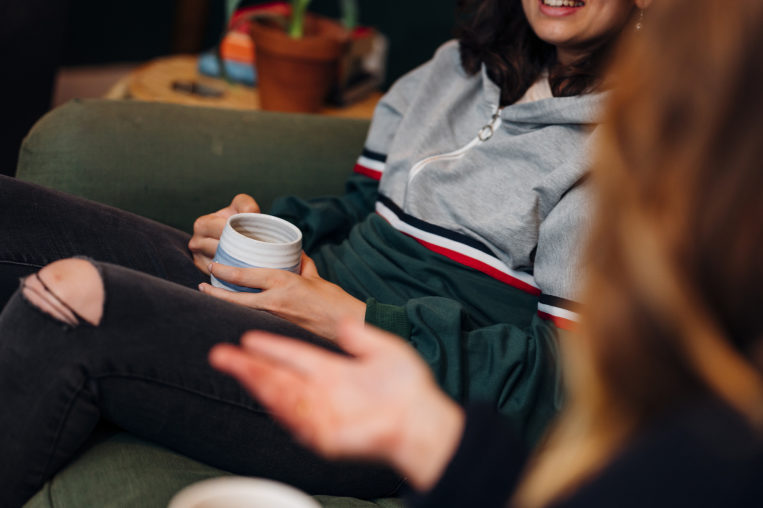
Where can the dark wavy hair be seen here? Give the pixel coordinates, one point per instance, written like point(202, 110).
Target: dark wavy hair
point(497, 33)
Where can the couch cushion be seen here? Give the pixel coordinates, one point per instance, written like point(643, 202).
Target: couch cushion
point(123, 471)
point(141, 156)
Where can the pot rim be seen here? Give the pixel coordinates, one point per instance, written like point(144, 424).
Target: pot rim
point(328, 43)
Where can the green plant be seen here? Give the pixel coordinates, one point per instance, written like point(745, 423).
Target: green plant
point(349, 13)
point(297, 24)
point(299, 8)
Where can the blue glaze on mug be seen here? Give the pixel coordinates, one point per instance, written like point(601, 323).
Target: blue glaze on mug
point(224, 258)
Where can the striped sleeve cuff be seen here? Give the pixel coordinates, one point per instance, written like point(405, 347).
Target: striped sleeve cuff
point(371, 164)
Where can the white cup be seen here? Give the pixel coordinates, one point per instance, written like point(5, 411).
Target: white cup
point(256, 240)
point(239, 492)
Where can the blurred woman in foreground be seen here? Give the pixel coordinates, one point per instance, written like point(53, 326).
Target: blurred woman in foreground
point(665, 385)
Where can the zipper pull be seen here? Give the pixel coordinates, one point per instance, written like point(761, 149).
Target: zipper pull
point(487, 131)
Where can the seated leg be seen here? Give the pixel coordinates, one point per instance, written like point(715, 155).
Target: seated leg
point(144, 368)
point(46, 226)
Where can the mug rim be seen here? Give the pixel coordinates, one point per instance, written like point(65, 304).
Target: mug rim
point(206, 490)
point(262, 217)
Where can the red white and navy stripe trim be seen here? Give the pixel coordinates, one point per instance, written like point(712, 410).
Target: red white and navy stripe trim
point(470, 252)
point(456, 246)
point(371, 164)
point(563, 313)
point(464, 249)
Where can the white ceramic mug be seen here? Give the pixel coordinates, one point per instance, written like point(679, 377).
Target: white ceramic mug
point(240, 492)
point(257, 240)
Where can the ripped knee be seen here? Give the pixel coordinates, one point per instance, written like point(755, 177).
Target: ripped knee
point(69, 290)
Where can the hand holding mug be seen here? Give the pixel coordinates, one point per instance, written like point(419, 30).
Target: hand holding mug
point(259, 263)
point(305, 299)
point(208, 228)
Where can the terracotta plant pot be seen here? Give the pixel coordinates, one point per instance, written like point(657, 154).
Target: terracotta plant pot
point(297, 74)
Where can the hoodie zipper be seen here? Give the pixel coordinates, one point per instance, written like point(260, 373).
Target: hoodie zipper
point(484, 134)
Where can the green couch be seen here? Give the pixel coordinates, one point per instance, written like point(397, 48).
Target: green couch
point(172, 163)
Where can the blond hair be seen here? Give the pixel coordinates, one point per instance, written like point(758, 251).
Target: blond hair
point(675, 277)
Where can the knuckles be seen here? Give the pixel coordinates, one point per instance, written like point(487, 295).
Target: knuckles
point(244, 202)
point(199, 223)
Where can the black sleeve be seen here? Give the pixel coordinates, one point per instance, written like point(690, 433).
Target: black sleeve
point(485, 468)
point(702, 455)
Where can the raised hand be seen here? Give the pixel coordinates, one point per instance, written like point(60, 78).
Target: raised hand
point(306, 299)
point(208, 228)
point(382, 403)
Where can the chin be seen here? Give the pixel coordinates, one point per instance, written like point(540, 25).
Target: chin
point(557, 36)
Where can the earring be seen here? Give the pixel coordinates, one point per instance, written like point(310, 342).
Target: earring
point(640, 22)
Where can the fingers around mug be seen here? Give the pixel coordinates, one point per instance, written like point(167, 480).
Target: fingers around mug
point(250, 300)
point(201, 262)
point(203, 245)
point(308, 266)
point(209, 226)
point(260, 278)
point(244, 203)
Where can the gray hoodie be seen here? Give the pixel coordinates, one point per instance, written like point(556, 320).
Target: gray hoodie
point(499, 192)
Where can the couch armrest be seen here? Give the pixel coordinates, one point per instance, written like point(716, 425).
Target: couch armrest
point(173, 163)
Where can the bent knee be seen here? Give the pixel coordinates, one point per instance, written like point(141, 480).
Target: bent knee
point(68, 290)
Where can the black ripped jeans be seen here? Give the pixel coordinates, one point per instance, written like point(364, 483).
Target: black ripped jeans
point(144, 367)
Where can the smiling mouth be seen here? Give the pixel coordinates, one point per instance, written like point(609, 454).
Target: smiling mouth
point(563, 3)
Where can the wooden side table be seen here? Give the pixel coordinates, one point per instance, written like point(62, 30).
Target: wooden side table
point(163, 80)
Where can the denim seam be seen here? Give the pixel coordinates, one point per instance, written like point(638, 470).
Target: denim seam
point(21, 263)
point(60, 429)
point(179, 387)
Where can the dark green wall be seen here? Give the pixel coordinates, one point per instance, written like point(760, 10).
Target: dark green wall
point(415, 27)
point(104, 32)
point(101, 32)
